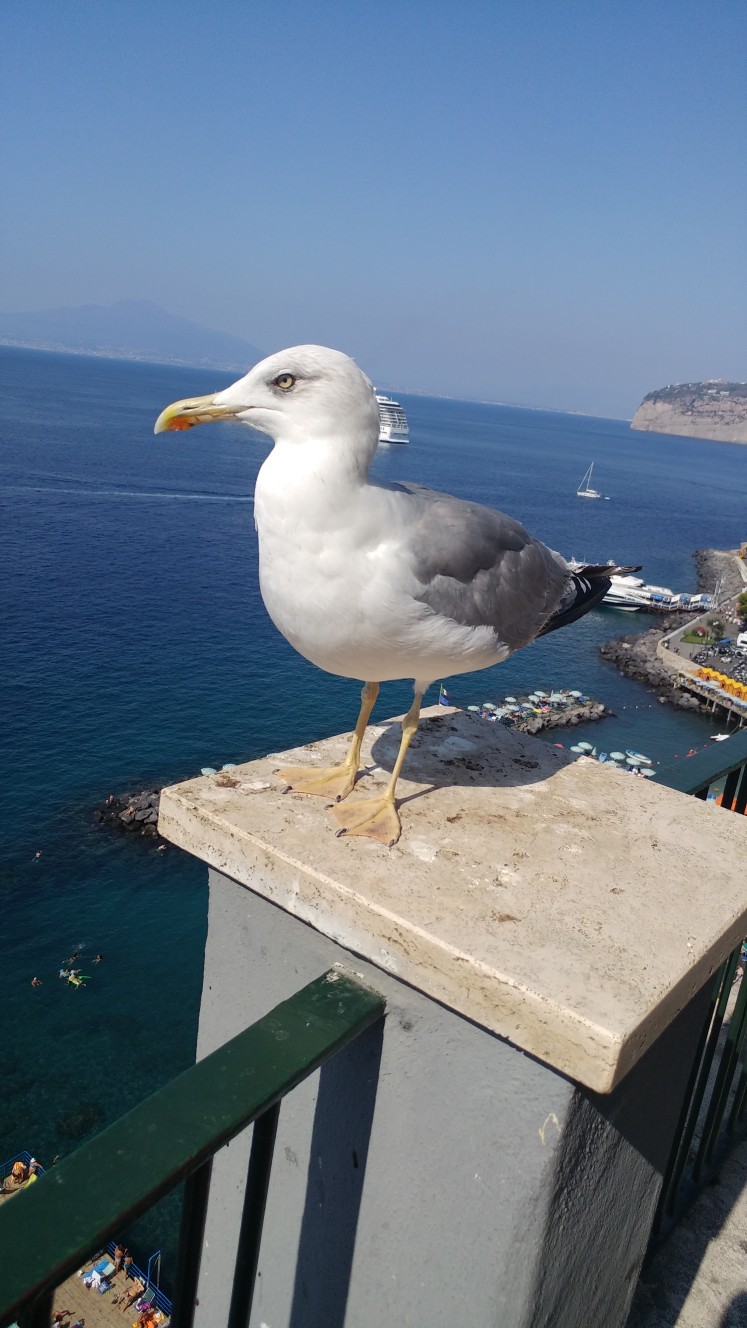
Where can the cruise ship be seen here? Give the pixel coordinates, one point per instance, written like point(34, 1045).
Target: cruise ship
point(393, 426)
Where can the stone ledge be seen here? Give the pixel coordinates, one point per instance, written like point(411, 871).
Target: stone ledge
point(563, 905)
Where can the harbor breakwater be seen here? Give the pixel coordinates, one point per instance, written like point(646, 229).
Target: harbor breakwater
point(636, 656)
point(558, 719)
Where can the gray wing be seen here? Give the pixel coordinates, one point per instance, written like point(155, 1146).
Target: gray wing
point(479, 567)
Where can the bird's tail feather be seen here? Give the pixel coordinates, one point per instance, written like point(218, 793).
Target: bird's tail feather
point(589, 585)
point(595, 570)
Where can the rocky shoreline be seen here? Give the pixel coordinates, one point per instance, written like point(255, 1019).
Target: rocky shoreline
point(133, 813)
point(635, 655)
point(559, 719)
point(714, 566)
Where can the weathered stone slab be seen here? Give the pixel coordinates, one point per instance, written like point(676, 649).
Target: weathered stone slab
point(564, 905)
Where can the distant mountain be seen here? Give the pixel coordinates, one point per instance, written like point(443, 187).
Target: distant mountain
point(129, 329)
point(712, 409)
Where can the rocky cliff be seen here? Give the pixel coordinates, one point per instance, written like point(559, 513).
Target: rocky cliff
point(701, 410)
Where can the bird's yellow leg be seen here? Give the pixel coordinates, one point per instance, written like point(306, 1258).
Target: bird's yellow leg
point(334, 781)
point(377, 818)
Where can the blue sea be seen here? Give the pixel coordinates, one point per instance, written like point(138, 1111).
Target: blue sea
point(135, 649)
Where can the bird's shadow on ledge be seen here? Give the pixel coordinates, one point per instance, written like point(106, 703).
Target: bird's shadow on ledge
point(462, 751)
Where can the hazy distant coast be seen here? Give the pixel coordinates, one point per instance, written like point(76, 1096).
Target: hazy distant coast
point(713, 409)
point(127, 330)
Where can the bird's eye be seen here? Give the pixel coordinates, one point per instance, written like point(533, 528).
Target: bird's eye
point(284, 381)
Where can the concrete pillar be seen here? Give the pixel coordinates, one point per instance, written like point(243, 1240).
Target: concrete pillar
point(493, 1153)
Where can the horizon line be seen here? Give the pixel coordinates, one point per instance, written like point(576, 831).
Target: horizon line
point(135, 358)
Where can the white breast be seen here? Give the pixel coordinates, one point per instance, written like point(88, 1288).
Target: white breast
point(339, 589)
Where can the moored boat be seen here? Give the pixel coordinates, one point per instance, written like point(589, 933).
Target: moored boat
point(631, 593)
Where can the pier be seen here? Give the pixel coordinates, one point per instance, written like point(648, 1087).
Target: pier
point(715, 696)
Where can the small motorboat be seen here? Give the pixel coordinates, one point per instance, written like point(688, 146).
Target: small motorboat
point(638, 757)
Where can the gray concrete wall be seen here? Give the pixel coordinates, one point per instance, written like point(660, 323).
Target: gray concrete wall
point(431, 1174)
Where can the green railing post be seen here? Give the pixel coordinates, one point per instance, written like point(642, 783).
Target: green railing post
point(191, 1235)
point(252, 1218)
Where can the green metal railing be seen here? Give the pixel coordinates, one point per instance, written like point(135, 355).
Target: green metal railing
point(714, 1114)
point(48, 1230)
point(698, 774)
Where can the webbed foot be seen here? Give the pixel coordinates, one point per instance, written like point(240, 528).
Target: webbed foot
point(331, 782)
point(373, 818)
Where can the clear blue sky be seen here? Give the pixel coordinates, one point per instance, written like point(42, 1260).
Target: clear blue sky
point(517, 200)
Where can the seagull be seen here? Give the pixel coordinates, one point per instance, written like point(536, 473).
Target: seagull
point(378, 581)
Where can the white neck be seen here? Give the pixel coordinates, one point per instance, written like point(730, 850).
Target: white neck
point(325, 472)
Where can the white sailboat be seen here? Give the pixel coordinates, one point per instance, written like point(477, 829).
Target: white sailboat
point(584, 489)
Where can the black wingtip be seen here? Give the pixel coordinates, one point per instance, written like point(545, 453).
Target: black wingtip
point(595, 571)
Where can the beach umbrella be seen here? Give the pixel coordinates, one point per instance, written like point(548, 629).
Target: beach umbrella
point(539, 692)
point(512, 699)
point(489, 705)
point(575, 694)
point(648, 774)
point(474, 709)
point(586, 746)
point(557, 696)
point(617, 756)
point(632, 760)
point(208, 770)
point(577, 749)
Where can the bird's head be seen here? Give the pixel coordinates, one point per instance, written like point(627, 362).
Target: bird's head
point(298, 395)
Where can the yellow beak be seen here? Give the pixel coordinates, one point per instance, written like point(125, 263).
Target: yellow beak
point(191, 411)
